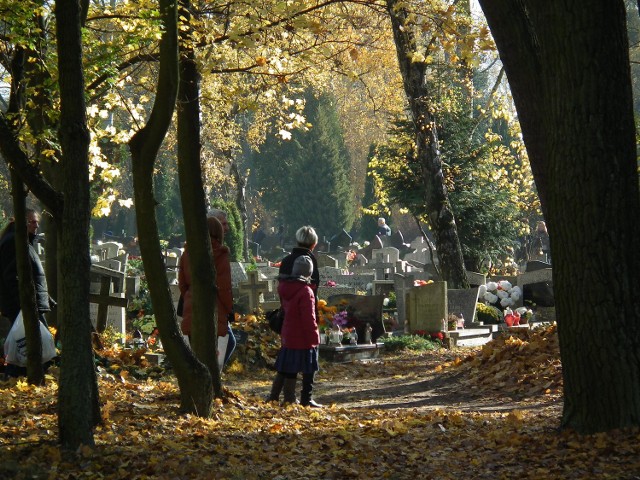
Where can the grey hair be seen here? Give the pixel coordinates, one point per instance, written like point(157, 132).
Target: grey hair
point(306, 236)
point(216, 212)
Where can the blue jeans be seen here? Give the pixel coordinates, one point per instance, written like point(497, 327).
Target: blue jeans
point(231, 345)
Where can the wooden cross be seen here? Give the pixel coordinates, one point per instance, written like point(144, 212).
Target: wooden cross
point(104, 299)
point(254, 287)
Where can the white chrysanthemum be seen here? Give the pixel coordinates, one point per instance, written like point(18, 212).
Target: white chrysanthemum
point(505, 285)
point(490, 297)
point(515, 295)
point(385, 302)
point(516, 290)
point(502, 294)
point(482, 290)
point(506, 302)
point(521, 310)
point(491, 286)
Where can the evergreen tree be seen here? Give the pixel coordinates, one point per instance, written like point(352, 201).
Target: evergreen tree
point(233, 239)
point(305, 181)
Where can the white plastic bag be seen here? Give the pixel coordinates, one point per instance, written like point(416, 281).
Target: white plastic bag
point(15, 346)
point(222, 350)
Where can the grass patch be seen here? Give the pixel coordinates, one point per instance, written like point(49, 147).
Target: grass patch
point(410, 342)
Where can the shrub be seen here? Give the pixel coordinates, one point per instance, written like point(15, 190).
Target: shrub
point(487, 314)
point(409, 342)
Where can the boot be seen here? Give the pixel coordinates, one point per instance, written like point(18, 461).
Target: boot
point(305, 393)
point(290, 390)
point(276, 388)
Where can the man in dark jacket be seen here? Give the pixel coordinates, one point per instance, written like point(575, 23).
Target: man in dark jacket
point(9, 290)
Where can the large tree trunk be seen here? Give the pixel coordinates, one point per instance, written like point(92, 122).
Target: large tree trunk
point(440, 214)
point(196, 391)
point(203, 281)
point(78, 407)
point(568, 67)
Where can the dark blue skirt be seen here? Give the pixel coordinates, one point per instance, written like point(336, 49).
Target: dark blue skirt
point(292, 360)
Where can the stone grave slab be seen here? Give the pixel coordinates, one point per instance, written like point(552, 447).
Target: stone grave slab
point(375, 244)
point(253, 288)
point(328, 273)
point(325, 260)
point(362, 309)
point(476, 279)
point(534, 265)
point(427, 307)
point(537, 287)
point(463, 301)
point(326, 292)
point(340, 241)
point(349, 353)
point(238, 274)
point(401, 285)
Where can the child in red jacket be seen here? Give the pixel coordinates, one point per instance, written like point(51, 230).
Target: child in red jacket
point(300, 337)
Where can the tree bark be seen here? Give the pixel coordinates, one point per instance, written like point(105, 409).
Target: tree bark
point(78, 407)
point(568, 67)
point(203, 276)
point(440, 214)
point(194, 379)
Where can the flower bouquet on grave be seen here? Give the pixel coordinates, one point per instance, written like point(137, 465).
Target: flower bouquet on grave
point(500, 294)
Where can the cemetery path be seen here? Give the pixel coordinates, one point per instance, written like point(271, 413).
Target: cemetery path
point(398, 381)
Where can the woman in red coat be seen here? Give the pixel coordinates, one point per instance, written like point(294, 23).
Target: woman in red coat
point(223, 281)
point(300, 337)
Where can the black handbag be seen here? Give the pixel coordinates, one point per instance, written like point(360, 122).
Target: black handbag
point(180, 307)
point(275, 319)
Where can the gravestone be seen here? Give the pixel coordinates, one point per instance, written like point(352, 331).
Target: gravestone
point(463, 301)
point(359, 282)
point(328, 273)
point(253, 288)
point(537, 287)
point(238, 274)
point(401, 285)
point(375, 244)
point(341, 241)
point(326, 292)
point(362, 310)
point(107, 295)
point(427, 308)
point(397, 241)
point(325, 260)
point(476, 279)
point(534, 265)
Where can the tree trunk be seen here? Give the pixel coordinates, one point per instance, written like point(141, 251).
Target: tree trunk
point(196, 391)
point(78, 407)
point(440, 214)
point(35, 372)
point(568, 67)
point(203, 280)
point(241, 203)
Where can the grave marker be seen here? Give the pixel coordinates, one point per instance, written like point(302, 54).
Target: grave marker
point(362, 310)
point(427, 307)
point(254, 287)
point(463, 301)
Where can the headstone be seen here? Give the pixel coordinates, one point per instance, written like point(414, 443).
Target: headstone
point(328, 273)
point(341, 241)
point(537, 287)
point(476, 279)
point(325, 260)
point(112, 249)
point(238, 274)
point(254, 288)
point(359, 282)
point(375, 244)
point(533, 265)
point(362, 310)
point(463, 301)
point(401, 285)
point(427, 307)
point(326, 292)
point(397, 241)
